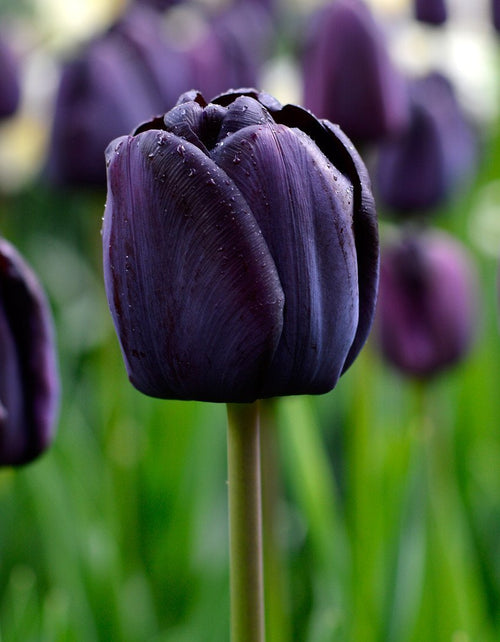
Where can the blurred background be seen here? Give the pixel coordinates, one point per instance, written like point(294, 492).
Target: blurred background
point(383, 496)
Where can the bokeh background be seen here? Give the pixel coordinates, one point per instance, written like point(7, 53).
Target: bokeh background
point(383, 496)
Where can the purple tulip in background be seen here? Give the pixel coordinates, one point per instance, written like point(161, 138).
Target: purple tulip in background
point(128, 74)
point(240, 250)
point(431, 11)
point(9, 81)
point(29, 383)
point(348, 75)
point(495, 14)
point(134, 72)
point(427, 306)
point(420, 168)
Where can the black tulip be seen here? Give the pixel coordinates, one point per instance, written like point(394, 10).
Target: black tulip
point(435, 155)
point(126, 75)
point(349, 77)
point(10, 90)
point(240, 250)
point(431, 11)
point(427, 307)
point(29, 384)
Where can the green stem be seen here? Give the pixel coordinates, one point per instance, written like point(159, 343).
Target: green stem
point(245, 523)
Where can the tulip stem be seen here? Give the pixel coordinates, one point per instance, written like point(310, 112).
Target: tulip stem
point(245, 523)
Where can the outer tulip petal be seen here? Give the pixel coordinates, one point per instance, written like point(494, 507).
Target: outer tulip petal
point(365, 236)
point(191, 284)
point(28, 356)
point(304, 208)
point(336, 145)
point(12, 419)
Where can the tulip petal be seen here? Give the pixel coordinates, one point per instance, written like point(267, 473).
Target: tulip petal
point(336, 145)
point(244, 111)
point(303, 206)
point(26, 326)
point(202, 316)
point(365, 235)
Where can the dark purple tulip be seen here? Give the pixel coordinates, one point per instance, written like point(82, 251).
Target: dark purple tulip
point(125, 76)
point(29, 384)
point(240, 250)
point(427, 303)
point(348, 75)
point(431, 11)
point(420, 168)
point(9, 81)
point(495, 14)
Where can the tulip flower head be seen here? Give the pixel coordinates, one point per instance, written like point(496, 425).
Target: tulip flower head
point(240, 250)
point(419, 169)
point(29, 384)
point(10, 91)
point(349, 77)
point(495, 14)
point(427, 303)
point(117, 79)
point(431, 11)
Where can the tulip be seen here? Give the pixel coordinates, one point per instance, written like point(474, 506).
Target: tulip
point(495, 14)
point(240, 250)
point(427, 304)
point(9, 81)
point(122, 77)
point(419, 169)
point(431, 11)
point(349, 77)
point(29, 382)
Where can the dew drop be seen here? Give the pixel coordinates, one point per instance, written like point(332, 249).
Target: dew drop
point(192, 171)
point(181, 150)
point(236, 160)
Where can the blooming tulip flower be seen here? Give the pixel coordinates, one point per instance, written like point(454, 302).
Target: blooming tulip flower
point(29, 384)
point(348, 75)
point(431, 11)
point(9, 81)
point(240, 250)
point(427, 304)
point(420, 168)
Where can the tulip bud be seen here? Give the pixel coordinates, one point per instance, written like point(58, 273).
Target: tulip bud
point(431, 11)
point(495, 14)
point(420, 168)
point(240, 250)
point(119, 78)
point(427, 303)
point(9, 82)
point(29, 385)
point(348, 75)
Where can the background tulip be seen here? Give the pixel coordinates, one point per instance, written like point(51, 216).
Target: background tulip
point(348, 75)
point(29, 382)
point(240, 250)
point(427, 304)
point(421, 167)
point(9, 81)
point(124, 76)
point(495, 14)
point(431, 11)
